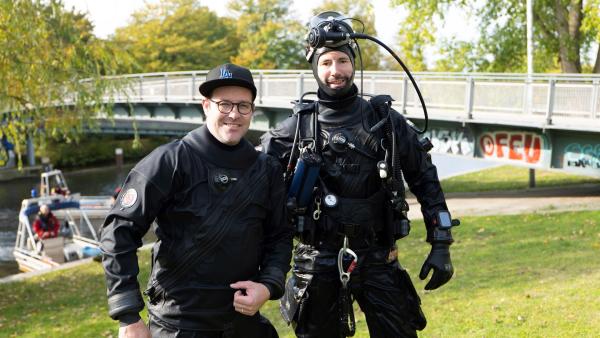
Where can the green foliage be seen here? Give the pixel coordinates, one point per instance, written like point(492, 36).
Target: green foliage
point(511, 178)
point(459, 56)
point(51, 70)
point(178, 35)
point(516, 276)
point(563, 31)
point(417, 30)
point(363, 11)
point(270, 38)
point(590, 26)
point(95, 150)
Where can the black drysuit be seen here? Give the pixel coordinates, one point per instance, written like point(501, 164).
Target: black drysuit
point(179, 185)
point(379, 284)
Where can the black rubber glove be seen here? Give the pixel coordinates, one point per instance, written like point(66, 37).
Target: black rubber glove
point(439, 261)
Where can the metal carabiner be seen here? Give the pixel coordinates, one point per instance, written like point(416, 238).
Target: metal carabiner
point(317, 213)
point(345, 275)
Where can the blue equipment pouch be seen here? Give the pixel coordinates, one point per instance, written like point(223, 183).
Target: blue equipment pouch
point(305, 178)
point(300, 193)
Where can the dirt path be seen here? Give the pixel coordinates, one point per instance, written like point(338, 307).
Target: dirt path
point(581, 197)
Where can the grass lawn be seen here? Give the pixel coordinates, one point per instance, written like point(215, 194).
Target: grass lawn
point(516, 276)
point(508, 177)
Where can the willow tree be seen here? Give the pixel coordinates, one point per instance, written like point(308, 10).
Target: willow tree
point(52, 72)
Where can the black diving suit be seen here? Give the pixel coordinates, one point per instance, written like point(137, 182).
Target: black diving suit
point(350, 153)
point(184, 186)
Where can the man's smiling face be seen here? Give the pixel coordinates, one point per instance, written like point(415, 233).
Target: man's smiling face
point(335, 69)
point(228, 128)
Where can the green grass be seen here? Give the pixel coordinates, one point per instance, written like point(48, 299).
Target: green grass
point(508, 177)
point(516, 276)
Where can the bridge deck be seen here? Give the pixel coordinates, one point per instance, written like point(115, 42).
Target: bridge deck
point(552, 101)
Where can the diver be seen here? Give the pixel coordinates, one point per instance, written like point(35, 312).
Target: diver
point(346, 160)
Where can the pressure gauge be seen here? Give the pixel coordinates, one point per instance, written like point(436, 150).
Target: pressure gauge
point(331, 200)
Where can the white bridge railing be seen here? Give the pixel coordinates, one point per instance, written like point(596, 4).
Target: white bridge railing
point(570, 101)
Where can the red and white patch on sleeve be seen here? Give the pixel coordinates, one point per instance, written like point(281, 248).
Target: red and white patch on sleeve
point(129, 198)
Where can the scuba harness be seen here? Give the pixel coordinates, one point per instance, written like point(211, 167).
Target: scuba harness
point(307, 191)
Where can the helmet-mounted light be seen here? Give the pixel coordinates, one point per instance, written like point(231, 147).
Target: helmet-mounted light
point(328, 29)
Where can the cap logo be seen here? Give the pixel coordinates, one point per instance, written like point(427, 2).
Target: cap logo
point(225, 73)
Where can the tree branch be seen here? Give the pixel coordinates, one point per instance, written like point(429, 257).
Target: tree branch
point(597, 65)
point(543, 27)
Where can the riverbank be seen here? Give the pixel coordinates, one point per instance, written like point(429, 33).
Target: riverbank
point(9, 174)
point(96, 150)
point(523, 275)
point(90, 151)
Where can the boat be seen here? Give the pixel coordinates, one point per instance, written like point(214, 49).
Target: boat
point(53, 184)
point(77, 238)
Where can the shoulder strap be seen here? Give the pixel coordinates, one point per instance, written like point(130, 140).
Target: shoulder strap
point(214, 228)
point(381, 105)
point(307, 121)
point(306, 132)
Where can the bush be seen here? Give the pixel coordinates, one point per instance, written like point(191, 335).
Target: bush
point(98, 150)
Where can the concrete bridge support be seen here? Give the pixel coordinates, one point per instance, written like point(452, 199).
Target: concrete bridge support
point(30, 151)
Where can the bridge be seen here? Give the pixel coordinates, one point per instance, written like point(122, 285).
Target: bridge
point(541, 121)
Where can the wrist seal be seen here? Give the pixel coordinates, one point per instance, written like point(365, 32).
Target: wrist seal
point(439, 231)
point(440, 235)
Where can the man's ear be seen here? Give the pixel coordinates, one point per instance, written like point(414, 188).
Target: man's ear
point(205, 105)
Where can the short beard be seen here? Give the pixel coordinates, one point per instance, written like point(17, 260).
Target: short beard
point(337, 92)
point(345, 78)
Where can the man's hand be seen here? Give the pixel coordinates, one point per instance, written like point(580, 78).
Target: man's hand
point(248, 302)
point(439, 261)
point(135, 330)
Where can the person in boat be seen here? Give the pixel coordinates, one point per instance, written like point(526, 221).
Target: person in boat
point(46, 225)
point(224, 243)
point(60, 191)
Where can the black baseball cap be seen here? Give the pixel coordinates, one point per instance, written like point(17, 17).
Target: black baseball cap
point(228, 75)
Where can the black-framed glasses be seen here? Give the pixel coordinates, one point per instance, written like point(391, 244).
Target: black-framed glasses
point(225, 107)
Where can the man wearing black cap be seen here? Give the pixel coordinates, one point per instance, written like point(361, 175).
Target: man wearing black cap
point(224, 243)
point(356, 209)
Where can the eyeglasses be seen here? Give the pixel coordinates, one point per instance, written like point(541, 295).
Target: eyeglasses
point(225, 107)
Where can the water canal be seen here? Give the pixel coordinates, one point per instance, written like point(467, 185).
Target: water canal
point(96, 181)
point(103, 181)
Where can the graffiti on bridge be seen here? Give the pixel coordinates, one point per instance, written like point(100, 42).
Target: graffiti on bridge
point(516, 146)
point(458, 142)
point(578, 156)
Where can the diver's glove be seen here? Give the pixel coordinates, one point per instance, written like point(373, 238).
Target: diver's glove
point(438, 260)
